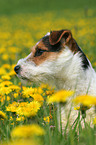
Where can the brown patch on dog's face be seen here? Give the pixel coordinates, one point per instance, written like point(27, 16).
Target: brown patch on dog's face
point(43, 51)
point(50, 46)
point(72, 45)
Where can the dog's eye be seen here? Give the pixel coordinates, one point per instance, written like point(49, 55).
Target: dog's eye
point(39, 52)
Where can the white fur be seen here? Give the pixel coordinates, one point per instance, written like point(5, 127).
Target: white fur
point(65, 72)
point(47, 34)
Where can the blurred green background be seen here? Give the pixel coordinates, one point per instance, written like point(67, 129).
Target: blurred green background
point(24, 22)
point(23, 6)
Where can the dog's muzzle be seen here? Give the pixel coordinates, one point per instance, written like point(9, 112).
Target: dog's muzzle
point(17, 69)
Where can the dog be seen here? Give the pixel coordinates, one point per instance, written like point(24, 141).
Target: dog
point(58, 60)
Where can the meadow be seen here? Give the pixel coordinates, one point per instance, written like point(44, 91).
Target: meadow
point(27, 115)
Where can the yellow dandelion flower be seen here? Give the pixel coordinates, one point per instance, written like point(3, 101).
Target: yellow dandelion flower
point(29, 109)
point(60, 96)
point(20, 118)
point(5, 56)
point(23, 104)
point(6, 77)
point(11, 118)
point(6, 66)
point(94, 121)
point(5, 83)
point(13, 49)
point(23, 87)
point(14, 88)
point(23, 142)
point(23, 111)
point(12, 73)
point(34, 105)
point(16, 95)
point(39, 98)
point(12, 107)
point(26, 131)
point(5, 90)
point(39, 90)
point(47, 119)
point(86, 100)
point(3, 115)
point(2, 71)
point(77, 108)
point(2, 50)
point(27, 92)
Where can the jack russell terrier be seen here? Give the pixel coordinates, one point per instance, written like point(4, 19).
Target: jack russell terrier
point(58, 60)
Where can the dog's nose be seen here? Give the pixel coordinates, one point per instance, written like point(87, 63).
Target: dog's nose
point(17, 68)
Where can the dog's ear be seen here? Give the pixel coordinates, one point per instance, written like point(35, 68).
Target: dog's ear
point(56, 36)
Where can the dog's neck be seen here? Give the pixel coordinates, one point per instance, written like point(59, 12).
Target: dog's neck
point(71, 74)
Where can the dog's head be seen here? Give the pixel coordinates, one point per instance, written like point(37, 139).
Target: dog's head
point(49, 58)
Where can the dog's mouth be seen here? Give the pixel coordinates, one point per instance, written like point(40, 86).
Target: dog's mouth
point(23, 78)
